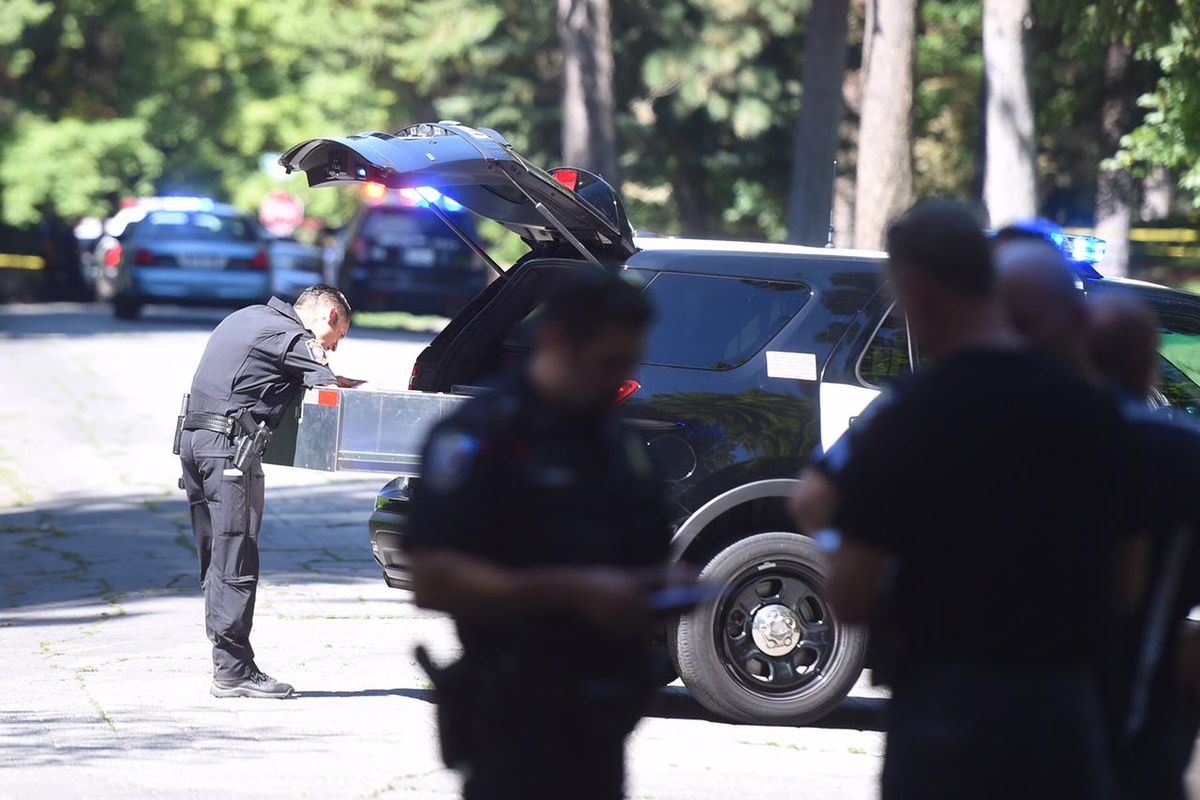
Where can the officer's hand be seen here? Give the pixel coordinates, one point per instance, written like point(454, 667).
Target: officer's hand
point(614, 601)
point(349, 383)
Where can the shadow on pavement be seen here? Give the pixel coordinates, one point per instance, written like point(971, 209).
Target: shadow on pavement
point(23, 740)
point(674, 702)
point(82, 550)
point(75, 619)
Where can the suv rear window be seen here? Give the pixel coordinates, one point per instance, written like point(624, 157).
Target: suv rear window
point(708, 322)
point(162, 225)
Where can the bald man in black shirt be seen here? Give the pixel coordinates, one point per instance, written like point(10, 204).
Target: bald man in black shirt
point(962, 518)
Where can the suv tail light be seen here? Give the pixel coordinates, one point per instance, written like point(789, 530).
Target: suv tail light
point(412, 378)
point(144, 258)
point(358, 248)
point(112, 256)
point(627, 390)
point(567, 177)
point(260, 260)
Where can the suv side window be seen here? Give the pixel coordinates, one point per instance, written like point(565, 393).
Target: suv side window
point(1178, 389)
point(716, 323)
point(886, 357)
point(1179, 362)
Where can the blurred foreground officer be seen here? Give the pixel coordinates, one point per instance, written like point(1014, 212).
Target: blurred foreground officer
point(962, 523)
point(540, 527)
point(255, 363)
point(1159, 714)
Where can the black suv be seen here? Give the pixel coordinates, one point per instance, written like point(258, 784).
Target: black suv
point(762, 355)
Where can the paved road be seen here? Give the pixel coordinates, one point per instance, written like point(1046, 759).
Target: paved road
point(103, 691)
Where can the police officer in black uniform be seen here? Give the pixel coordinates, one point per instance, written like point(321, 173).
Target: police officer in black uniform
point(255, 363)
point(540, 526)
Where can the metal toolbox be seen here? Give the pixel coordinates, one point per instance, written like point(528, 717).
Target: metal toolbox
point(359, 430)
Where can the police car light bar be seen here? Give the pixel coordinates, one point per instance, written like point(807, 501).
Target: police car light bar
point(1082, 252)
point(421, 196)
point(1080, 248)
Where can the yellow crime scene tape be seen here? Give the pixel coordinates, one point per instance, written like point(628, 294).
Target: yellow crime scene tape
point(18, 261)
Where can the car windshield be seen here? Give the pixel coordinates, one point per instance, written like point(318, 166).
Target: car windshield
point(196, 225)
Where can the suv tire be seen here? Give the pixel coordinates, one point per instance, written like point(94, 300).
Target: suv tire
point(125, 307)
point(717, 651)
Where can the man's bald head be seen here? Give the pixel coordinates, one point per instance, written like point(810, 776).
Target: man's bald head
point(1038, 291)
point(1123, 334)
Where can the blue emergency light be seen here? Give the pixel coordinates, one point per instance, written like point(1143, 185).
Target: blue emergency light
point(420, 196)
point(1081, 251)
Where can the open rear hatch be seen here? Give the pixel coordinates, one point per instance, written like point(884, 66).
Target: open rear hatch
point(570, 214)
point(478, 169)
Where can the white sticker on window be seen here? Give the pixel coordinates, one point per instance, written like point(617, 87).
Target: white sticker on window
point(795, 366)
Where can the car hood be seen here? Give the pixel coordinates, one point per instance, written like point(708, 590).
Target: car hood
point(479, 169)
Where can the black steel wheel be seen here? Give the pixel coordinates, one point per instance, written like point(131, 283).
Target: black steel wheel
point(769, 648)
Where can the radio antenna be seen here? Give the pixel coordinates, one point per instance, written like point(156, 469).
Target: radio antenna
point(832, 201)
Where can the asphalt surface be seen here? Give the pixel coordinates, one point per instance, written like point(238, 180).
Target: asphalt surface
point(104, 686)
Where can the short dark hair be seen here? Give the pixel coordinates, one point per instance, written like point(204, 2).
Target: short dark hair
point(582, 304)
point(323, 293)
point(944, 241)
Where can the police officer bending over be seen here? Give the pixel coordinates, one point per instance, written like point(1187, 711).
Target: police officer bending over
point(539, 525)
point(255, 363)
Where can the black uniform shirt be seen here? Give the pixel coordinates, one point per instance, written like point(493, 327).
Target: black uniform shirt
point(258, 358)
point(510, 480)
point(1001, 483)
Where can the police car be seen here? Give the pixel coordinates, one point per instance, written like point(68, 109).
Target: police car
point(182, 251)
point(762, 355)
point(401, 257)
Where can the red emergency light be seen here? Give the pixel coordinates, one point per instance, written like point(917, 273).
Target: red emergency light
point(567, 177)
point(626, 391)
point(374, 192)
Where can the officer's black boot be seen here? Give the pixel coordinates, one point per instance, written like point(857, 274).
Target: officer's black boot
point(256, 684)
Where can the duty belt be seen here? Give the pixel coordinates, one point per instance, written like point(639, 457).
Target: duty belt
point(208, 421)
point(250, 441)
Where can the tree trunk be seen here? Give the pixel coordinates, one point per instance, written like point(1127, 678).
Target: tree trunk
point(1158, 195)
point(883, 187)
point(691, 198)
point(1010, 173)
point(1114, 188)
point(810, 198)
point(589, 138)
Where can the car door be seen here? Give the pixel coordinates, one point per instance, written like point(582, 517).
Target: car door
point(874, 352)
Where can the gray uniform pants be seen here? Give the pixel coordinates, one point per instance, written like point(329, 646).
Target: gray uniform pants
point(226, 508)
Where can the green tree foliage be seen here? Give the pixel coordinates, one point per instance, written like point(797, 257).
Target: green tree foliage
point(1170, 133)
point(102, 99)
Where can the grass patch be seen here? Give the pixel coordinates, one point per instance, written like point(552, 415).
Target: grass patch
point(399, 321)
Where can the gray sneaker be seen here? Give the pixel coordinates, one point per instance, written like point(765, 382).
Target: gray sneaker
point(256, 684)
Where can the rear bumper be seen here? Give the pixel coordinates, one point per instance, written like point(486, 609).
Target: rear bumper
point(388, 527)
point(178, 285)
